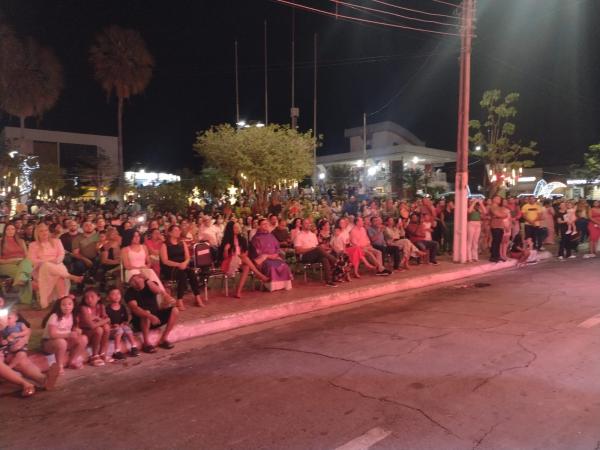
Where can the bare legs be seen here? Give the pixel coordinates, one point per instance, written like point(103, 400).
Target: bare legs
point(68, 352)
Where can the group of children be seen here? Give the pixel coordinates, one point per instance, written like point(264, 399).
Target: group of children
point(69, 328)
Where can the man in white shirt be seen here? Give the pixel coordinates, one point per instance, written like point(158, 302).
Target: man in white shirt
point(307, 248)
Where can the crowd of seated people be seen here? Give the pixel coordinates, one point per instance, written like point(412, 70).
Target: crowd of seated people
point(147, 259)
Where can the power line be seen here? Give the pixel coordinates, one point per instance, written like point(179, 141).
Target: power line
point(404, 8)
point(454, 5)
point(358, 19)
point(405, 85)
point(366, 8)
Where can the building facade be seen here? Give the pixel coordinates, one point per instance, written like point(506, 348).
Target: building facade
point(389, 150)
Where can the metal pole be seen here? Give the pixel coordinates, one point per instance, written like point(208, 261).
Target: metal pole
point(364, 167)
point(460, 253)
point(315, 174)
point(237, 87)
point(266, 80)
point(293, 110)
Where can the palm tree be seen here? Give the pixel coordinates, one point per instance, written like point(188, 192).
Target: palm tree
point(31, 77)
point(122, 64)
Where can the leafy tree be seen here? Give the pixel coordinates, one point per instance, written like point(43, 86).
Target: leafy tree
point(30, 77)
point(122, 64)
point(48, 176)
point(261, 157)
point(167, 197)
point(341, 175)
point(414, 179)
point(213, 181)
point(590, 169)
point(95, 170)
point(496, 136)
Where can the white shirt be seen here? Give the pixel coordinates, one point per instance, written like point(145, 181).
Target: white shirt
point(306, 239)
point(64, 324)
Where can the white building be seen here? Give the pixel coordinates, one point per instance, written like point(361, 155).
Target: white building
point(62, 148)
point(389, 147)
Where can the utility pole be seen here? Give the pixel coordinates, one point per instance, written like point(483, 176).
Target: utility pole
point(294, 112)
point(315, 171)
point(460, 251)
point(237, 86)
point(266, 80)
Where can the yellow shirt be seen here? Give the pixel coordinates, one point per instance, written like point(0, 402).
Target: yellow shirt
point(532, 213)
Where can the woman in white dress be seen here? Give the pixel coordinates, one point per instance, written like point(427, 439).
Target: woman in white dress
point(51, 275)
point(136, 259)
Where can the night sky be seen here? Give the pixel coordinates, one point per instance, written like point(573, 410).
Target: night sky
point(545, 49)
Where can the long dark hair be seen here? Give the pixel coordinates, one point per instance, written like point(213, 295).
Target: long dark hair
point(17, 239)
point(228, 238)
point(56, 310)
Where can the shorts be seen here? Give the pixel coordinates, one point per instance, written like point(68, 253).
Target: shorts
point(163, 315)
point(120, 330)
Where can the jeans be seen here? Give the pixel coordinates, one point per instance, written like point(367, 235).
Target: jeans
point(429, 246)
point(392, 250)
point(497, 234)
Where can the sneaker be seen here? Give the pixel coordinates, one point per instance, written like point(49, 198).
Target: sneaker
point(560, 258)
point(119, 355)
point(568, 232)
point(331, 284)
point(435, 263)
point(134, 352)
point(381, 273)
point(572, 257)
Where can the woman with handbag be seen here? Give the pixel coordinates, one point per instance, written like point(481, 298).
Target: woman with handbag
point(233, 253)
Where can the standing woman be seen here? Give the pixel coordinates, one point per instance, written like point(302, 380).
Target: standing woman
point(583, 213)
point(594, 228)
point(51, 274)
point(548, 222)
point(175, 260)
point(233, 252)
point(474, 215)
point(565, 246)
point(14, 263)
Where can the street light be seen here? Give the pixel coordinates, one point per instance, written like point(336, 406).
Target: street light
point(478, 148)
point(322, 176)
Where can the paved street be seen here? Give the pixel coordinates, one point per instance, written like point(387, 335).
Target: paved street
point(511, 362)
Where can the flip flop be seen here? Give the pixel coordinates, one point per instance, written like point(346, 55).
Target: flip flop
point(28, 391)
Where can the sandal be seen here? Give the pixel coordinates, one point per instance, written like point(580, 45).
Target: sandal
point(96, 361)
point(106, 358)
point(28, 390)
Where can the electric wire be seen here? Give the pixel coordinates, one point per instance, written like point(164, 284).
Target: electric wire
point(358, 19)
point(404, 8)
point(442, 2)
point(366, 8)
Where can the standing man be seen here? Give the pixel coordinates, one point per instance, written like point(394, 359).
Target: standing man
point(498, 214)
point(532, 214)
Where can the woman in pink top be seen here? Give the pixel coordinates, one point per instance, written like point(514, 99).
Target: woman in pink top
point(47, 256)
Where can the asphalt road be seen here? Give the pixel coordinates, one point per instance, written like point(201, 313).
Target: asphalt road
point(510, 365)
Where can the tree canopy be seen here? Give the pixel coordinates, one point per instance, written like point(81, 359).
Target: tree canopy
point(261, 157)
point(495, 136)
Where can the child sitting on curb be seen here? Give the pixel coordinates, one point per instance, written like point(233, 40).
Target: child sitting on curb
point(119, 325)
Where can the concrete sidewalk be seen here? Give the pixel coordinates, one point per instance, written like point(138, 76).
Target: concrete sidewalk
point(228, 313)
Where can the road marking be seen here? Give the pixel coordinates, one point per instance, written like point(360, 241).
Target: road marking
point(591, 322)
point(367, 440)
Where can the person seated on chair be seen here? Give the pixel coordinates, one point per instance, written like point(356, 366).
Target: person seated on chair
point(175, 260)
point(49, 272)
point(308, 250)
point(14, 263)
point(360, 238)
point(233, 253)
point(147, 314)
point(84, 251)
point(282, 234)
point(266, 254)
point(136, 259)
point(377, 237)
